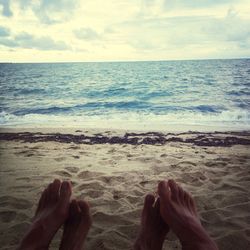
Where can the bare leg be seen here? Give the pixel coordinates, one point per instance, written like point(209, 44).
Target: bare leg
point(178, 210)
point(153, 229)
point(76, 226)
point(51, 213)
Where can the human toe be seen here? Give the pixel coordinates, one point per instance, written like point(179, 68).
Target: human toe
point(163, 190)
point(174, 190)
point(54, 190)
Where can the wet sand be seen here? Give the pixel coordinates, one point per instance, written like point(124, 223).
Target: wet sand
point(114, 170)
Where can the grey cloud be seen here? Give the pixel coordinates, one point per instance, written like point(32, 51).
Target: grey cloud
point(109, 30)
point(8, 42)
point(4, 31)
point(24, 37)
point(25, 40)
point(185, 31)
point(50, 11)
point(149, 2)
point(184, 4)
point(25, 4)
point(142, 45)
point(169, 4)
point(87, 34)
point(232, 29)
point(6, 11)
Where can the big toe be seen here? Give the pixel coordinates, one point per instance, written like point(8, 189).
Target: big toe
point(54, 190)
point(85, 212)
point(163, 190)
point(64, 196)
point(74, 209)
point(174, 190)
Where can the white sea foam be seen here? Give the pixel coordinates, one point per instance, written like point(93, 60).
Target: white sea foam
point(232, 120)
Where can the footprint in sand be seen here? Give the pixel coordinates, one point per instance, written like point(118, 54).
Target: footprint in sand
point(88, 175)
point(163, 155)
point(215, 164)
point(72, 170)
point(187, 163)
point(95, 185)
point(20, 188)
point(25, 179)
point(7, 216)
point(14, 203)
point(94, 193)
point(59, 159)
point(83, 153)
point(74, 147)
point(63, 173)
point(17, 231)
point(24, 152)
point(106, 179)
point(196, 177)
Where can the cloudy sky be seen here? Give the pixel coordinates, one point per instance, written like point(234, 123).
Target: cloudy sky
point(115, 30)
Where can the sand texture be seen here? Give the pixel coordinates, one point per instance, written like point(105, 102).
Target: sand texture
point(114, 175)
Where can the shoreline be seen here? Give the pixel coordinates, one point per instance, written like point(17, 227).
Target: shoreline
point(139, 127)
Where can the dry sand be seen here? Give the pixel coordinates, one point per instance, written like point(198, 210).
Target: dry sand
point(115, 177)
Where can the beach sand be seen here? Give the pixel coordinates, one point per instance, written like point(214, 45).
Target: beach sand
point(114, 172)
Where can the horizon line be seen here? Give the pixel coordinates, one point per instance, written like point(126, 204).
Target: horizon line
point(116, 61)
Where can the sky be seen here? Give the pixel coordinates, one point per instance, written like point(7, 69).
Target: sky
point(123, 30)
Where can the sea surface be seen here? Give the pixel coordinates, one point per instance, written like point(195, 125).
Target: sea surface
point(132, 95)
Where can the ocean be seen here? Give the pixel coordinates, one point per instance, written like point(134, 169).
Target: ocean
point(157, 95)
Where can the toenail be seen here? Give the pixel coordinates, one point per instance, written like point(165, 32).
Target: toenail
point(162, 184)
point(57, 181)
point(150, 198)
point(65, 185)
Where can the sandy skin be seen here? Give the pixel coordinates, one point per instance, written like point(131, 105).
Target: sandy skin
point(50, 215)
point(76, 226)
point(54, 209)
point(174, 209)
point(178, 210)
point(153, 229)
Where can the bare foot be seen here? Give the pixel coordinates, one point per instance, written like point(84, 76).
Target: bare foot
point(178, 210)
point(76, 226)
point(153, 229)
point(51, 213)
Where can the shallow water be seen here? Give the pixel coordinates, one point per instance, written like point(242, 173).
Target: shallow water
point(134, 95)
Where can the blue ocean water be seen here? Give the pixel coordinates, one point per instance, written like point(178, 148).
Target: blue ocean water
point(133, 95)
